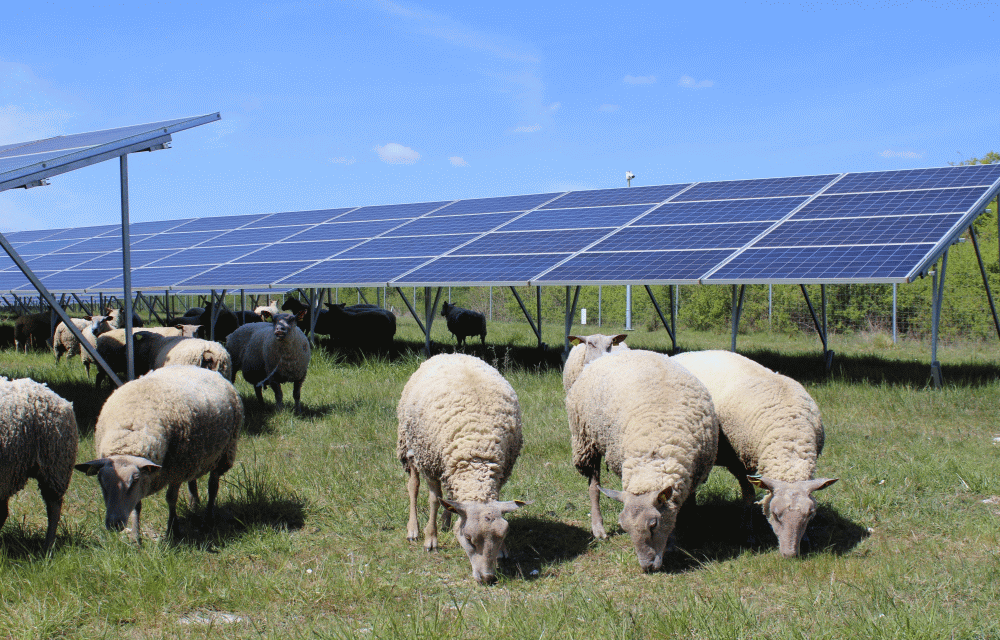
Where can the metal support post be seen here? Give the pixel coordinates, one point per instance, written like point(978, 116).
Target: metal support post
point(656, 305)
point(628, 307)
point(430, 308)
point(938, 285)
point(570, 312)
point(127, 272)
point(599, 301)
point(413, 311)
point(820, 329)
point(538, 314)
point(737, 311)
point(895, 292)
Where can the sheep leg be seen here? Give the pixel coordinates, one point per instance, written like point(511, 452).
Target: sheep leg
point(260, 394)
point(596, 521)
point(297, 395)
point(53, 509)
point(413, 487)
point(193, 490)
point(213, 491)
point(87, 366)
point(137, 523)
point(434, 500)
point(3, 512)
point(279, 398)
point(172, 491)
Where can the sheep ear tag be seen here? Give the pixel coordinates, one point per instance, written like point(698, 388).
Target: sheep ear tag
point(91, 468)
point(575, 339)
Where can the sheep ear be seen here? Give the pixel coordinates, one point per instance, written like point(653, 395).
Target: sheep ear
point(454, 506)
point(513, 505)
point(665, 495)
point(575, 339)
point(91, 468)
point(618, 338)
point(763, 483)
point(820, 483)
point(611, 493)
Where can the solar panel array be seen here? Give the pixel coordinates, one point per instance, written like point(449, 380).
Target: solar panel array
point(28, 163)
point(856, 227)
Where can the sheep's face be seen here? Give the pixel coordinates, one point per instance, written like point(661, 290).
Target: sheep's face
point(481, 531)
point(285, 323)
point(100, 324)
point(597, 345)
point(789, 508)
point(649, 519)
point(124, 480)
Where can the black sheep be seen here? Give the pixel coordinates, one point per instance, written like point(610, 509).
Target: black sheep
point(464, 322)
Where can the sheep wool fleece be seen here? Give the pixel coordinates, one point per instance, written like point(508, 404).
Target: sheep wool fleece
point(37, 428)
point(184, 418)
point(652, 420)
point(771, 421)
point(461, 422)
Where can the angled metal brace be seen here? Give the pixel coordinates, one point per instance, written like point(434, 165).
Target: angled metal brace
point(536, 329)
point(986, 281)
point(570, 314)
point(656, 305)
point(430, 308)
point(413, 311)
point(937, 285)
point(820, 328)
point(737, 311)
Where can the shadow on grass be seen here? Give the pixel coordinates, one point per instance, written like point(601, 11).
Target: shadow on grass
point(257, 500)
point(500, 356)
point(534, 541)
point(19, 543)
point(872, 369)
point(715, 532)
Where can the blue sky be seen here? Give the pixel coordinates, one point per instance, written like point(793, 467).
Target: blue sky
point(336, 104)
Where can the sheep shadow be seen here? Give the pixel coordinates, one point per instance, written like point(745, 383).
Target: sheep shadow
point(534, 541)
point(21, 544)
point(715, 531)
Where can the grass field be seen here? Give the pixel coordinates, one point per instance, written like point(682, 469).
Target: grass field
point(312, 545)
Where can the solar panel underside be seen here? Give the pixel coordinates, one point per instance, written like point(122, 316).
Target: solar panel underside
point(865, 227)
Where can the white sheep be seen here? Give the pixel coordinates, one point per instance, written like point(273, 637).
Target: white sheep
point(460, 426)
point(163, 430)
point(588, 349)
point(771, 427)
point(159, 351)
point(270, 354)
point(38, 439)
point(272, 308)
point(655, 425)
point(64, 341)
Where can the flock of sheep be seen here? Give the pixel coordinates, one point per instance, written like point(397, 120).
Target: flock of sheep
point(660, 423)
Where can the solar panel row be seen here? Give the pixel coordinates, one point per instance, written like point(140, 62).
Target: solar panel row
point(865, 227)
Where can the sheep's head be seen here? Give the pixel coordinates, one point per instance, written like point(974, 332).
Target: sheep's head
point(481, 531)
point(100, 324)
point(284, 323)
point(649, 519)
point(189, 330)
point(445, 308)
point(789, 506)
point(598, 345)
point(125, 481)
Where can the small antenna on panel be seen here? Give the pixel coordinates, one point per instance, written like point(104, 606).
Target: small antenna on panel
point(628, 177)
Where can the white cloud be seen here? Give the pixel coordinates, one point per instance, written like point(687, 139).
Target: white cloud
point(28, 113)
point(394, 153)
point(458, 161)
point(690, 83)
point(343, 160)
point(608, 108)
point(526, 128)
point(639, 79)
point(18, 124)
point(555, 106)
point(901, 154)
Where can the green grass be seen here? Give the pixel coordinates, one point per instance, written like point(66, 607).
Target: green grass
point(312, 544)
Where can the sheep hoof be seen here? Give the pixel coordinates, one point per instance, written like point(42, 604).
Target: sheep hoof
point(431, 544)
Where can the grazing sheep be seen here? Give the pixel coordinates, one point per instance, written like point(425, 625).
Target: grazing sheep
point(158, 351)
point(64, 341)
point(588, 349)
point(464, 322)
point(460, 426)
point(32, 330)
point(771, 427)
point(225, 324)
point(365, 326)
point(111, 347)
point(655, 425)
point(164, 430)
point(38, 439)
point(323, 326)
point(270, 354)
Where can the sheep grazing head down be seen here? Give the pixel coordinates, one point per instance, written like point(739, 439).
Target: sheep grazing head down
point(125, 481)
point(649, 519)
point(789, 506)
point(597, 344)
point(284, 323)
point(481, 531)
